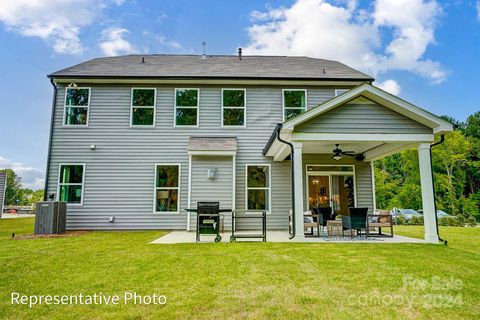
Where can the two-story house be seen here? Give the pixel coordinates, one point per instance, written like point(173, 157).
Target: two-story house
point(135, 140)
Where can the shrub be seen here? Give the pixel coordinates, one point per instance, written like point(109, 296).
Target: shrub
point(471, 221)
point(461, 220)
point(400, 220)
point(416, 221)
point(448, 221)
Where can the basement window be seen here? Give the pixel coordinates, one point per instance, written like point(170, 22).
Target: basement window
point(233, 107)
point(143, 107)
point(167, 181)
point(186, 107)
point(294, 103)
point(77, 102)
point(70, 183)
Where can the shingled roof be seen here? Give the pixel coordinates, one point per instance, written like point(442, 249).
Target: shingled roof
point(159, 66)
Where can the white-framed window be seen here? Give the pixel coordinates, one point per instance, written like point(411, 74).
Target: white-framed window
point(234, 103)
point(71, 178)
point(167, 188)
point(186, 107)
point(294, 102)
point(258, 187)
point(77, 106)
point(340, 91)
point(142, 107)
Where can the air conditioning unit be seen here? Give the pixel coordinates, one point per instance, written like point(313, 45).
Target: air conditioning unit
point(50, 217)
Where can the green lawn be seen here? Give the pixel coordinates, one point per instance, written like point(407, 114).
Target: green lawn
point(240, 280)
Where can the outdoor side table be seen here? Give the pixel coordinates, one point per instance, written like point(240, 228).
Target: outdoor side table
point(334, 228)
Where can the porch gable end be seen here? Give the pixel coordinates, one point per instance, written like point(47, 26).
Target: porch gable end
point(362, 116)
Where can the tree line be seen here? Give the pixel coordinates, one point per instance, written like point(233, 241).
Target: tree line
point(456, 171)
point(15, 194)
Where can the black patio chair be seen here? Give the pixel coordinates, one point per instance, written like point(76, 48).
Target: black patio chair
point(324, 214)
point(356, 220)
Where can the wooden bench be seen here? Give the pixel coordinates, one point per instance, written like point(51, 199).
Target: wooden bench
point(380, 219)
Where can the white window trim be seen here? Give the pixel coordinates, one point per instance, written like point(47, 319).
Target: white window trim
point(329, 174)
point(244, 108)
point(131, 125)
point(84, 165)
point(65, 108)
point(247, 211)
point(283, 101)
point(175, 109)
point(174, 188)
point(340, 91)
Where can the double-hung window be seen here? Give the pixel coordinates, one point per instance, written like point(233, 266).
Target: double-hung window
point(294, 103)
point(186, 107)
point(258, 187)
point(142, 111)
point(233, 107)
point(70, 183)
point(77, 102)
point(167, 192)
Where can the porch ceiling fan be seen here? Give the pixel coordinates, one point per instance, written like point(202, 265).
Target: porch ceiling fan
point(338, 153)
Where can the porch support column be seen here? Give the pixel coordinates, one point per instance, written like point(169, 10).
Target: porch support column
point(298, 182)
point(428, 197)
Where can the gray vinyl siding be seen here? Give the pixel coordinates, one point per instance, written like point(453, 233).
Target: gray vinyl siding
point(119, 174)
point(362, 118)
point(363, 177)
point(3, 185)
point(219, 189)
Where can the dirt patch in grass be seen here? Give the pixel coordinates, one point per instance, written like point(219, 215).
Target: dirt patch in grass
point(67, 234)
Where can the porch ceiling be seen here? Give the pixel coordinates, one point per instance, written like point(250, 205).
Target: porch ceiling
point(327, 146)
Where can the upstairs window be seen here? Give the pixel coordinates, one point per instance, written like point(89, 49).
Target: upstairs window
point(143, 107)
point(294, 103)
point(77, 102)
point(258, 187)
point(233, 107)
point(186, 107)
point(70, 183)
point(167, 181)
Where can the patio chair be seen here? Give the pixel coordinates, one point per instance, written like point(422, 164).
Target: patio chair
point(380, 219)
point(326, 214)
point(311, 220)
point(356, 220)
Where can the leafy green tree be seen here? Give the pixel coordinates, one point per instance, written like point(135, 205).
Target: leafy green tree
point(14, 186)
point(472, 127)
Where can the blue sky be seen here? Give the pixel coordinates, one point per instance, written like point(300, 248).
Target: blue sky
point(424, 51)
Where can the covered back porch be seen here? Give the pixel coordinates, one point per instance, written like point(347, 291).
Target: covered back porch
point(332, 148)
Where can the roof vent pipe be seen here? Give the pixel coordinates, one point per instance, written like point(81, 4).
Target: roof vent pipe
point(204, 45)
point(239, 53)
point(143, 59)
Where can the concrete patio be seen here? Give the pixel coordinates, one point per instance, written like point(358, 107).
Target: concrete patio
point(175, 237)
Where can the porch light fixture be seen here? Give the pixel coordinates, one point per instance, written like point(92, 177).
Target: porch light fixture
point(212, 173)
point(337, 156)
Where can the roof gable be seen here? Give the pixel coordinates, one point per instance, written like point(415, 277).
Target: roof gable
point(362, 116)
point(379, 97)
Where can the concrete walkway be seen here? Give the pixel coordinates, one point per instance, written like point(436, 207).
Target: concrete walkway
point(277, 236)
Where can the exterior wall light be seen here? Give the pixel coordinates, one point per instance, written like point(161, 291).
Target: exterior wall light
point(212, 173)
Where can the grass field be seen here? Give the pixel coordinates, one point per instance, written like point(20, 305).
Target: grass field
point(242, 280)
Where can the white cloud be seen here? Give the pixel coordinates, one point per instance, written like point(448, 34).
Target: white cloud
point(169, 43)
point(390, 86)
point(114, 44)
point(352, 35)
point(32, 178)
point(58, 22)
point(478, 10)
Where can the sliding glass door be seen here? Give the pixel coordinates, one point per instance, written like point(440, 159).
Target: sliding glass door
point(335, 188)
